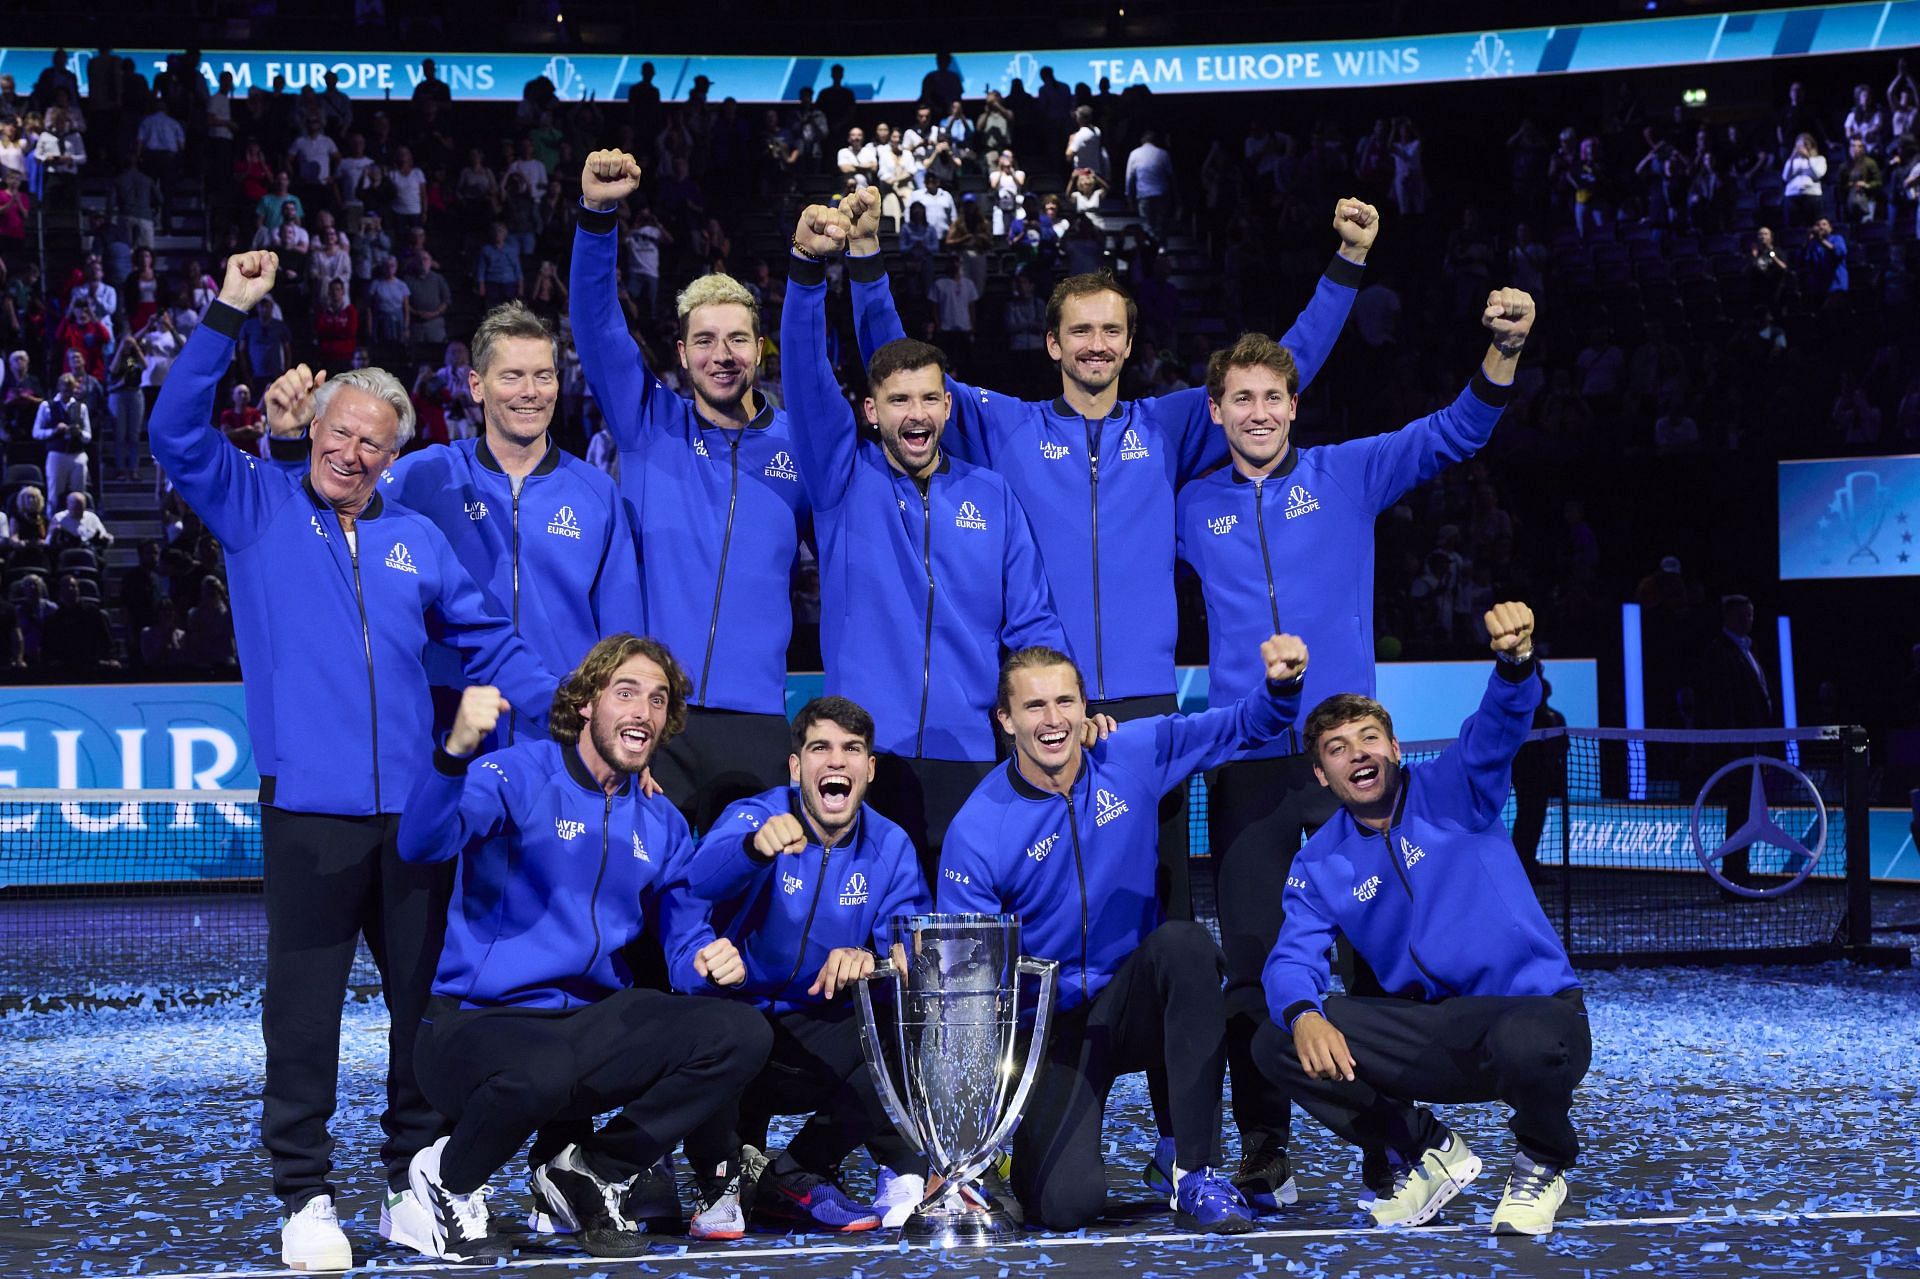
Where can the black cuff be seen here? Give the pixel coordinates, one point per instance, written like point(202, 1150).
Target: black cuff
point(1488, 391)
point(1517, 672)
point(1295, 1010)
point(753, 854)
point(869, 268)
point(1346, 271)
point(597, 221)
point(805, 270)
point(224, 318)
point(449, 765)
point(289, 448)
point(1286, 687)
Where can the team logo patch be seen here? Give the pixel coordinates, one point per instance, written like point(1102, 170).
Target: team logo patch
point(789, 883)
point(567, 829)
point(564, 524)
point(317, 527)
point(968, 516)
point(476, 511)
point(780, 467)
point(1410, 853)
point(700, 447)
point(1106, 807)
point(1300, 502)
point(1054, 452)
point(1040, 850)
point(855, 893)
point(1365, 892)
point(400, 558)
point(1222, 524)
point(640, 849)
point(1132, 447)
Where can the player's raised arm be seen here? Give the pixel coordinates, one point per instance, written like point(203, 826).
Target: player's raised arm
point(609, 356)
point(823, 424)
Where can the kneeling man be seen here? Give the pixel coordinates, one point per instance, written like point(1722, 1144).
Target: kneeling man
point(1421, 877)
point(562, 861)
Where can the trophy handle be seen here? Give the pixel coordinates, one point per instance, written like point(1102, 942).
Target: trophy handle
point(870, 1044)
point(1047, 971)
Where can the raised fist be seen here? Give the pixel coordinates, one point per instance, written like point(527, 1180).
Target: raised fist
point(250, 277)
point(1285, 656)
point(1510, 630)
point(1358, 223)
point(289, 401)
point(781, 833)
point(1509, 317)
point(863, 210)
point(481, 707)
point(821, 231)
point(607, 178)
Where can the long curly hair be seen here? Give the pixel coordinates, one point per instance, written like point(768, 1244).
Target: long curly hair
point(590, 679)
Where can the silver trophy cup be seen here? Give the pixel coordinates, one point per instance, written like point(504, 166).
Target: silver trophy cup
point(942, 1039)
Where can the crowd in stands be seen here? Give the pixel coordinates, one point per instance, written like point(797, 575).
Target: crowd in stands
point(1719, 288)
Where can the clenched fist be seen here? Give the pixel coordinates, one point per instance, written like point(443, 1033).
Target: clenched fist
point(1509, 316)
point(481, 707)
point(1285, 656)
point(250, 277)
point(822, 232)
point(780, 833)
point(607, 178)
point(863, 210)
point(1358, 223)
point(289, 402)
point(1510, 630)
point(719, 962)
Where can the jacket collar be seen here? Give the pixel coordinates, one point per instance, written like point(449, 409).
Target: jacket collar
point(371, 511)
point(1399, 808)
point(548, 464)
point(758, 422)
point(1279, 472)
point(1062, 408)
point(577, 769)
point(1027, 790)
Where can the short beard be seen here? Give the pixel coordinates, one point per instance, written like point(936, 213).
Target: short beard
point(606, 740)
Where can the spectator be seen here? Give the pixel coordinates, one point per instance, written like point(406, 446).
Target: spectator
point(1409, 170)
point(1802, 174)
point(336, 326)
point(335, 106)
point(126, 409)
point(30, 527)
point(837, 100)
point(163, 644)
point(972, 239)
point(428, 300)
point(1601, 367)
point(210, 628)
point(241, 421)
point(942, 84)
point(547, 298)
point(1866, 123)
point(897, 175)
point(1825, 259)
point(1085, 149)
point(159, 344)
point(160, 143)
point(311, 161)
point(268, 343)
point(939, 204)
point(993, 128)
point(958, 133)
point(1674, 431)
point(387, 305)
point(1769, 273)
point(1084, 190)
point(463, 415)
point(1008, 185)
point(496, 271)
point(32, 611)
point(644, 241)
point(102, 299)
point(136, 203)
point(858, 159)
point(1150, 184)
point(1863, 183)
point(409, 184)
point(13, 148)
point(431, 88)
point(15, 205)
point(81, 332)
point(87, 388)
point(79, 526)
point(1026, 316)
point(62, 424)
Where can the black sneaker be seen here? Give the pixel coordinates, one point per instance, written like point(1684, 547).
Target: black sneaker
point(1266, 1176)
point(462, 1228)
point(809, 1199)
point(653, 1202)
point(573, 1194)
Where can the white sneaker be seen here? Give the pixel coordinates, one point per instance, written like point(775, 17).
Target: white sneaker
point(460, 1226)
point(406, 1221)
point(1421, 1190)
point(1534, 1194)
point(896, 1195)
point(311, 1239)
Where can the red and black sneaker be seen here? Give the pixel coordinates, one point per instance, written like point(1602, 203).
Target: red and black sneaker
point(808, 1199)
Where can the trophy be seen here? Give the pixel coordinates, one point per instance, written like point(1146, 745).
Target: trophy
point(1862, 503)
point(946, 1059)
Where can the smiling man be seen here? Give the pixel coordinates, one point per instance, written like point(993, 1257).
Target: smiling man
point(805, 880)
point(535, 1020)
point(1419, 874)
point(1064, 836)
point(335, 592)
point(714, 494)
point(1284, 537)
point(928, 567)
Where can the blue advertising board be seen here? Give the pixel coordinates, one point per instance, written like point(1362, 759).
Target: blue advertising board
point(1632, 45)
point(1849, 517)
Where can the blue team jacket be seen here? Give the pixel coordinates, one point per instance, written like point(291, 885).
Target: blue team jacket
point(557, 558)
point(553, 876)
point(1294, 553)
point(1439, 905)
point(1078, 869)
point(1106, 488)
point(717, 509)
point(919, 591)
point(786, 913)
point(331, 639)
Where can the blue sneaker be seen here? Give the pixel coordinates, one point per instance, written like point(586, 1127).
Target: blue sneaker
point(1158, 1174)
point(1208, 1202)
point(808, 1199)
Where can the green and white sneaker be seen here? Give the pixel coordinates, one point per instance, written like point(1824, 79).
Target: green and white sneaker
point(1534, 1194)
point(1421, 1190)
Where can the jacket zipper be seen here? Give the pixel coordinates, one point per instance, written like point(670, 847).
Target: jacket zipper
point(593, 899)
point(1401, 873)
point(366, 640)
point(1079, 869)
point(720, 578)
point(1266, 560)
point(516, 576)
point(926, 560)
point(806, 929)
point(1093, 489)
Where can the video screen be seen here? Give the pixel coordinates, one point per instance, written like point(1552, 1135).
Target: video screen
point(1849, 517)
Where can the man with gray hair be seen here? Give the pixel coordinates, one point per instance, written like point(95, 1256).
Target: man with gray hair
point(714, 490)
point(335, 593)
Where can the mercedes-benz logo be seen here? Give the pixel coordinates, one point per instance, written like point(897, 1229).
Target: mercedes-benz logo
point(1760, 828)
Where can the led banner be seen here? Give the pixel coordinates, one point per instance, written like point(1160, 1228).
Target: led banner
point(1850, 517)
point(1329, 64)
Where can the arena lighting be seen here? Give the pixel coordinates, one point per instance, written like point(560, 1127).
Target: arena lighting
point(1634, 683)
point(1694, 98)
point(1789, 703)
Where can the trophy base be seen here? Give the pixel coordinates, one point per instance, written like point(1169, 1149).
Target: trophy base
point(972, 1219)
